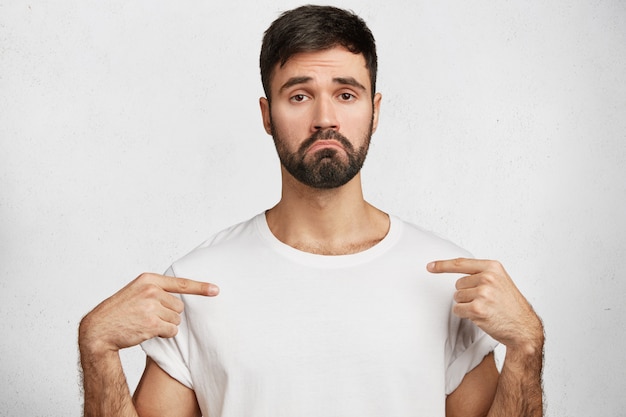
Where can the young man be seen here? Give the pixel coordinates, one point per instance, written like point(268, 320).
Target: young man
point(327, 305)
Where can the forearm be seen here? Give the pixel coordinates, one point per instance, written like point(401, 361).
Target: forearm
point(519, 392)
point(105, 388)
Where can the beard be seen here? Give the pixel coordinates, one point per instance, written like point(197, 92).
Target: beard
point(326, 168)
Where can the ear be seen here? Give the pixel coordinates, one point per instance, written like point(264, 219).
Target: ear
point(376, 102)
point(377, 99)
point(266, 115)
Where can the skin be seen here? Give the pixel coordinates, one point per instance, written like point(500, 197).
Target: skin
point(323, 221)
point(143, 309)
point(488, 297)
point(316, 91)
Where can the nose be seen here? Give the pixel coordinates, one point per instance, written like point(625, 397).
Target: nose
point(325, 116)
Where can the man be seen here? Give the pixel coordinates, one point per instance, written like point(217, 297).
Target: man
point(327, 305)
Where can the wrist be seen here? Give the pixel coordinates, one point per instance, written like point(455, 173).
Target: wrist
point(527, 351)
point(524, 352)
point(90, 344)
point(531, 338)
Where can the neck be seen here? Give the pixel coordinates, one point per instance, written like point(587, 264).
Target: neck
point(326, 221)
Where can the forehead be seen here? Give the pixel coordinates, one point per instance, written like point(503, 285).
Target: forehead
point(323, 66)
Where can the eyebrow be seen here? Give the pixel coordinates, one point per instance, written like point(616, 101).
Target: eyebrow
point(294, 81)
point(351, 81)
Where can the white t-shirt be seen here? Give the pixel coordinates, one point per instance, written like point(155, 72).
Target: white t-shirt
point(298, 334)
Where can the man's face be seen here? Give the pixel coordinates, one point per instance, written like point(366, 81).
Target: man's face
point(322, 116)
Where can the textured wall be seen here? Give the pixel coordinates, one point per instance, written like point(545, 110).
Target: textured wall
point(130, 131)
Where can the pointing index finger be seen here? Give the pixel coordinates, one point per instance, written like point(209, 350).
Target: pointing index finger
point(187, 286)
point(458, 265)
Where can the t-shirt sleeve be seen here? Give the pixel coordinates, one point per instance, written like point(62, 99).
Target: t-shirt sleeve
point(466, 347)
point(172, 354)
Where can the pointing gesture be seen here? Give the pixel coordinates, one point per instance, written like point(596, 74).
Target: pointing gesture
point(488, 297)
point(143, 309)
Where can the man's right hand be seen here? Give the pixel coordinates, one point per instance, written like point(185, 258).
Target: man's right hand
point(143, 309)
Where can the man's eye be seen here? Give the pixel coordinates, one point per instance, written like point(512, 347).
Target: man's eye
point(346, 96)
point(298, 98)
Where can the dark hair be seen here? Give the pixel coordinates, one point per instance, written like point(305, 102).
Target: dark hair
point(315, 28)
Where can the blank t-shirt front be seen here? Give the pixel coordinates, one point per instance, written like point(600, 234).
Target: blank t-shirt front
point(297, 334)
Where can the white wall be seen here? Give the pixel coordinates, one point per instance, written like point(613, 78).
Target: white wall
point(130, 131)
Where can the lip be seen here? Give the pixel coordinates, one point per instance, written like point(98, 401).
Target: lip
point(324, 144)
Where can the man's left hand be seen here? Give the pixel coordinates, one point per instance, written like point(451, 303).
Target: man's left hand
point(488, 297)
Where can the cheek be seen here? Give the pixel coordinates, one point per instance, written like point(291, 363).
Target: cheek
point(281, 129)
point(357, 125)
point(288, 124)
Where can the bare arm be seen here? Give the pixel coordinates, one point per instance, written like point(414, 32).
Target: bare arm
point(519, 386)
point(474, 396)
point(488, 297)
point(140, 311)
point(160, 395)
point(104, 386)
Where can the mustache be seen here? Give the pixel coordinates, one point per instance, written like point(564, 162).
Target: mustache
point(327, 134)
